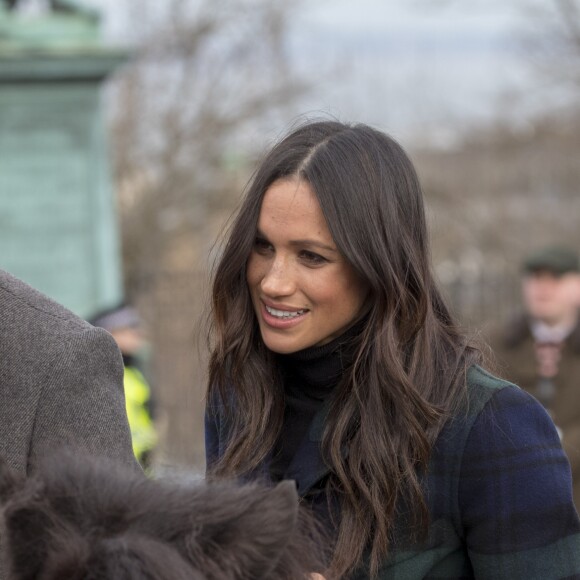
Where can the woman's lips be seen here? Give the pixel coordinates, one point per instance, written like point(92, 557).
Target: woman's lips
point(282, 318)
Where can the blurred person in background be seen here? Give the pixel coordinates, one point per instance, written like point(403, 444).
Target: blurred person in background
point(337, 364)
point(125, 326)
point(539, 349)
point(61, 382)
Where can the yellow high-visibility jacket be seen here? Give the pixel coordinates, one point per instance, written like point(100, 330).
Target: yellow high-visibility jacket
point(137, 396)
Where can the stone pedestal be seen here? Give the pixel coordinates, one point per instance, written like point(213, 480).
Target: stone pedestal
point(58, 229)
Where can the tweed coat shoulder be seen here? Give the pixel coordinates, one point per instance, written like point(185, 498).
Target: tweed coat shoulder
point(61, 381)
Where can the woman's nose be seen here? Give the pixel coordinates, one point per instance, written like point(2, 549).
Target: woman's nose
point(278, 280)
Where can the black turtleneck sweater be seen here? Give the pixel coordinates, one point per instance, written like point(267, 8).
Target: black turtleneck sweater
point(309, 377)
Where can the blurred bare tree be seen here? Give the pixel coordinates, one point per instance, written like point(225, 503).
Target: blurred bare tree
point(494, 197)
point(553, 41)
point(204, 72)
point(512, 185)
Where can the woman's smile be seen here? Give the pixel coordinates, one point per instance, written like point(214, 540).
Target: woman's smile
point(281, 318)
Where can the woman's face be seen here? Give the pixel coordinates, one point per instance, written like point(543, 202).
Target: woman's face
point(303, 291)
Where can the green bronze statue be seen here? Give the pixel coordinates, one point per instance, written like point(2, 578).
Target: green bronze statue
point(58, 6)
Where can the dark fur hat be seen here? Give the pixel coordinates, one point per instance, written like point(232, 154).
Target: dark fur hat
point(92, 520)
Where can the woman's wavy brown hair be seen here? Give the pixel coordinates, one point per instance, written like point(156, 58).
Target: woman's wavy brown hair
point(408, 375)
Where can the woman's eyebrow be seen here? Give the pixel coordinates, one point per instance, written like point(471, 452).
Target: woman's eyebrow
point(308, 243)
point(313, 244)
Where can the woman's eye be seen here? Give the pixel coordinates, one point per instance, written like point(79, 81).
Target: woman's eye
point(312, 258)
point(261, 245)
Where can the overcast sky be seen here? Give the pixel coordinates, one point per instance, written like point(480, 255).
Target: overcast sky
point(445, 15)
point(420, 69)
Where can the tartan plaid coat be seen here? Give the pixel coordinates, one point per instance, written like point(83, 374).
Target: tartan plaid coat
point(498, 489)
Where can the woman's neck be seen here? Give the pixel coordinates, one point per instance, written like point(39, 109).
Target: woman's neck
point(318, 369)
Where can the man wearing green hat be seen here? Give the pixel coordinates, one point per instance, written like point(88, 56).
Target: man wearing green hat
point(539, 349)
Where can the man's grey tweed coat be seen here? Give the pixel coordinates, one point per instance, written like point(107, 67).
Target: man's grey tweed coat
point(61, 381)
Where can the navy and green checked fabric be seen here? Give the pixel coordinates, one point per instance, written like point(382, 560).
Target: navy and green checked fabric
point(500, 495)
point(498, 489)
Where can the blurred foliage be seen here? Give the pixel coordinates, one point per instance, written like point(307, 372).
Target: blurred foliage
point(203, 71)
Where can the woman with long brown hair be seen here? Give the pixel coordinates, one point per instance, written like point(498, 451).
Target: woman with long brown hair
point(336, 363)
